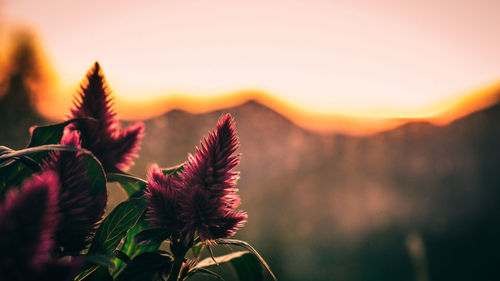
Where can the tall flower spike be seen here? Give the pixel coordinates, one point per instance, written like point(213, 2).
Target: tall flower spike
point(209, 194)
point(28, 218)
point(114, 147)
point(163, 208)
point(80, 211)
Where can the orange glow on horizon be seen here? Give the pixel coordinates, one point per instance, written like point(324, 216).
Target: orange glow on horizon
point(353, 124)
point(346, 66)
point(53, 100)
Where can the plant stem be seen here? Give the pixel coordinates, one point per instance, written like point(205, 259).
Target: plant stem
point(176, 268)
point(179, 250)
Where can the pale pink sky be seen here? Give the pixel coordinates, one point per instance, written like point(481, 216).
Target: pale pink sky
point(354, 57)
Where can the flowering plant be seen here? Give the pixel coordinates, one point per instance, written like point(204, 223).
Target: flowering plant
point(53, 195)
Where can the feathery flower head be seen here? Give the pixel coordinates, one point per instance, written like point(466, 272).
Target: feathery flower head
point(80, 211)
point(210, 216)
point(113, 146)
point(209, 199)
point(28, 218)
point(162, 192)
point(212, 165)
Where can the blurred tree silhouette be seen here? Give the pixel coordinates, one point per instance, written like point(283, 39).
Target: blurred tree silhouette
point(23, 74)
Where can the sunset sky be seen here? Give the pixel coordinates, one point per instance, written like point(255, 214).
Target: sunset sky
point(359, 58)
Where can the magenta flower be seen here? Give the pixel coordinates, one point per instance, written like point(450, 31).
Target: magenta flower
point(209, 215)
point(203, 199)
point(114, 147)
point(80, 211)
point(28, 218)
point(163, 208)
point(209, 198)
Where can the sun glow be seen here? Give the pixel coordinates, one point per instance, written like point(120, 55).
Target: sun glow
point(328, 65)
point(134, 108)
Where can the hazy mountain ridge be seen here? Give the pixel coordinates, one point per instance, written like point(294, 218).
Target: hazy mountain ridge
point(273, 147)
point(303, 186)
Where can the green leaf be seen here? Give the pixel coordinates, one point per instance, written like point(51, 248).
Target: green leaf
point(100, 259)
point(52, 134)
point(94, 273)
point(146, 266)
point(29, 162)
point(174, 170)
point(203, 271)
point(95, 173)
point(121, 256)
point(13, 171)
point(37, 150)
point(151, 236)
point(19, 166)
point(247, 246)
point(129, 249)
point(49, 134)
point(247, 268)
point(132, 185)
point(196, 249)
point(13, 174)
point(4, 150)
point(116, 225)
point(245, 264)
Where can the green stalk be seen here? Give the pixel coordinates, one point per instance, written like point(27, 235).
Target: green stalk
point(176, 268)
point(179, 250)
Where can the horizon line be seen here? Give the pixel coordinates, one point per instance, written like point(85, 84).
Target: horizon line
point(326, 123)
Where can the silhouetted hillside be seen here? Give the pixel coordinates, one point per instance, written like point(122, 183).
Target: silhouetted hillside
point(17, 98)
point(336, 207)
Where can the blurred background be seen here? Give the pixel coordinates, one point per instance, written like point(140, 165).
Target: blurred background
point(369, 130)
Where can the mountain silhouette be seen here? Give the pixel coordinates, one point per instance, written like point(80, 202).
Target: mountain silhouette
point(339, 207)
point(17, 96)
